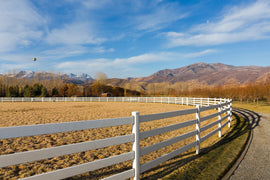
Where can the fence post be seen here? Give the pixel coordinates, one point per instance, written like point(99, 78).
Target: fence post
point(198, 128)
point(219, 119)
point(230, 114)
point(136, 144)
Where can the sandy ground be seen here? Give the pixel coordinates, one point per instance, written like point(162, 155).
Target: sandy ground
point(14, 114)
point(255, 164)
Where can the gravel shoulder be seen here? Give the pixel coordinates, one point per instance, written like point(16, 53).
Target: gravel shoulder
point(255, 163)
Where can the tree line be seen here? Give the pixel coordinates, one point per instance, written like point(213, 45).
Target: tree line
point(65, 90)
point(253, 92)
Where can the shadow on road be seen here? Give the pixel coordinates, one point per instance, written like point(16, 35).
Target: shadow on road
point(253, 117)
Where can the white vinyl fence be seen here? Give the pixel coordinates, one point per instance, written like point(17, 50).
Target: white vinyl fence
point(171, 100)
point(224, 106)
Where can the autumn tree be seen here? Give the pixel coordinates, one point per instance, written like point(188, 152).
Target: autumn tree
point(63, 90)
point(72, 89)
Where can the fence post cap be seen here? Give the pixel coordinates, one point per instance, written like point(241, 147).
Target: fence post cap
point(135, 113)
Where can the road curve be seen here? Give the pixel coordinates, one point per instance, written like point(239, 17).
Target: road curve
point(255, 162)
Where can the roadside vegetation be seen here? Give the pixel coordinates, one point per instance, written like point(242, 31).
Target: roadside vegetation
point(261, 106)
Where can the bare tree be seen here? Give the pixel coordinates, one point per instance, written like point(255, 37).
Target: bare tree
point(101, 77)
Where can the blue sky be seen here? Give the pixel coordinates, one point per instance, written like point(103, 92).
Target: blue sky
point(131, 38)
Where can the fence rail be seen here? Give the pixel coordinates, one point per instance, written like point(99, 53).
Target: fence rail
point(224, 106)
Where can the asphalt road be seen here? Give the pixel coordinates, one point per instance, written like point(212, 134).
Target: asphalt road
point(255, 162)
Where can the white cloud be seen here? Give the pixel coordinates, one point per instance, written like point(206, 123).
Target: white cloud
point(5, 68)
point(64, 51)
point(74, 34)
point(200, 53)
point(238, 24)
point(19, 24)
point(113, 66)
point(102, 50)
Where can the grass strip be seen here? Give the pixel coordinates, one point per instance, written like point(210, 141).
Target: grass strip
point(214, 161)
point(262, 106)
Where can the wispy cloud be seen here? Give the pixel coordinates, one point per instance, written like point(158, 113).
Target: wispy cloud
point(139, 14)
point(127, 65)
point(74, 34)
point(239, 23)
point(96, 4)
point(64, 51)
point(20, 24)
point(160, 17)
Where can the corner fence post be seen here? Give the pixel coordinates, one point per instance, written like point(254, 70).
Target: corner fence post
point(136, 144)
point(198, 128)
point(219, 119)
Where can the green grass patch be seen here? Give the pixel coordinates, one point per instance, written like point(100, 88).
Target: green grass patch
point(214, 161)
point(263, 107)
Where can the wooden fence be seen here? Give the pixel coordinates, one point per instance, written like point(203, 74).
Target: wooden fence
point(224, 106)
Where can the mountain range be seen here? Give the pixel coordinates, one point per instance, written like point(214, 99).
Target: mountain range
point(201, 73)
point(211, 74)
point(82, 78)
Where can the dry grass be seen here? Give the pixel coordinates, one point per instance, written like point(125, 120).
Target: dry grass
point(14, 114)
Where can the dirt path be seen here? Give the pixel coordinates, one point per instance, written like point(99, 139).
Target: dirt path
point(255, 162)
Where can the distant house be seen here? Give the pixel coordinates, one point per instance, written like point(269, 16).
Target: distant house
point(105, 95)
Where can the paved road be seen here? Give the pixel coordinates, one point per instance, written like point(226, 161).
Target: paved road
point(256, 162)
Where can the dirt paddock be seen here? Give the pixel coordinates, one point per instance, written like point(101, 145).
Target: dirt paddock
point(27, 113)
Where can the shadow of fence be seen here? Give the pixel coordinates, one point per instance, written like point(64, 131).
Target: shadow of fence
point(251, 120)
